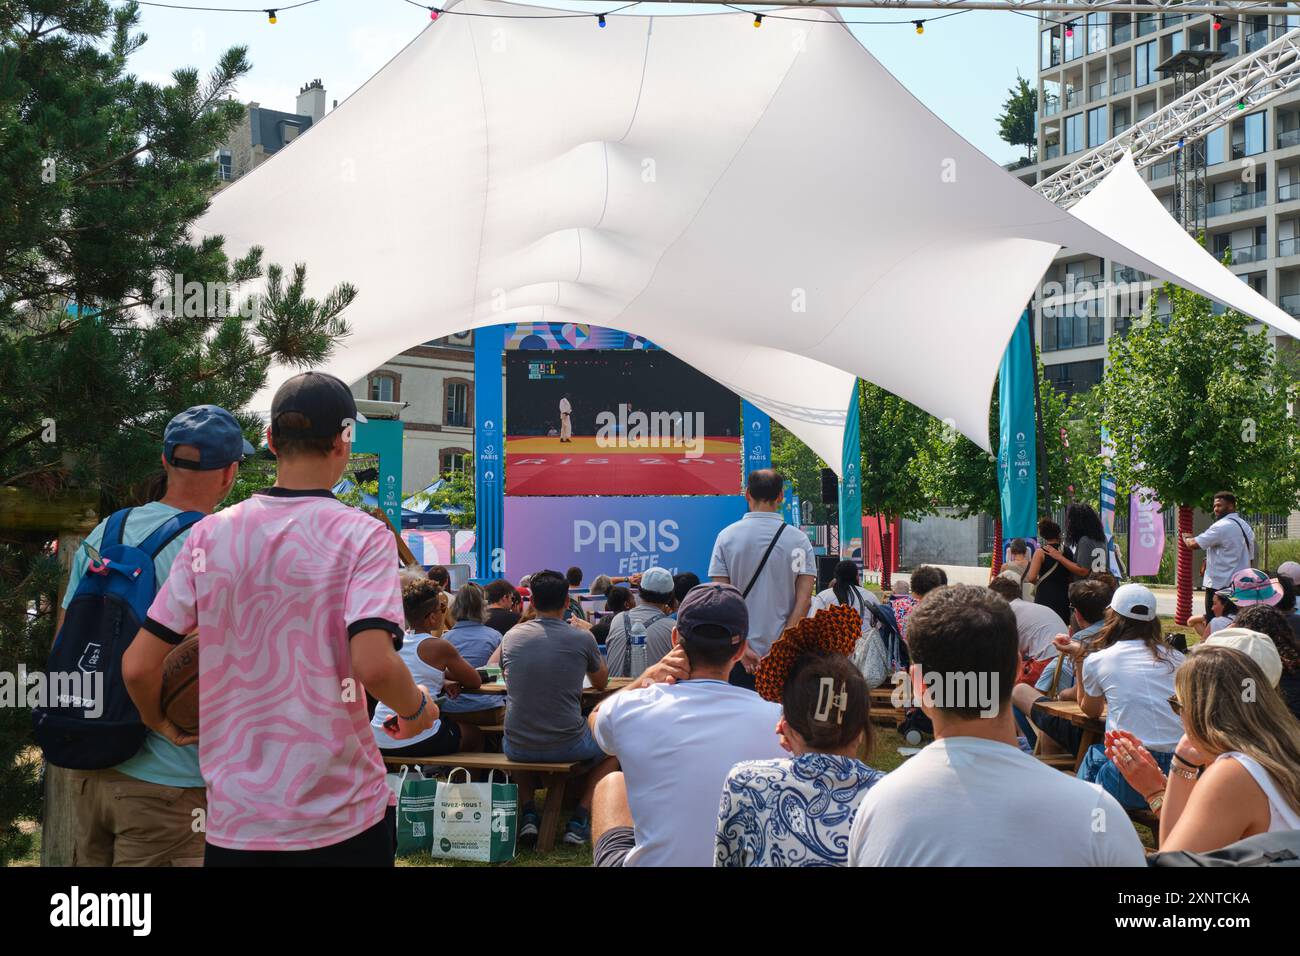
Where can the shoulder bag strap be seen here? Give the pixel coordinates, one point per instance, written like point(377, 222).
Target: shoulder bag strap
point(762, 564)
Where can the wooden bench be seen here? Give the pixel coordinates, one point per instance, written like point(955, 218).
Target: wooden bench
point(554, 778)
point(882, 706)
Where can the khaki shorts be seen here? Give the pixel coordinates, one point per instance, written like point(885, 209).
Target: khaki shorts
point(122, 821)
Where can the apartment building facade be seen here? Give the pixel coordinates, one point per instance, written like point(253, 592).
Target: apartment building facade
point(435, 384)
point(1097, 75)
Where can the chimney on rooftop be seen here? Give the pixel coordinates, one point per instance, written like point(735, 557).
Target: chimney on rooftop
point(311, 101)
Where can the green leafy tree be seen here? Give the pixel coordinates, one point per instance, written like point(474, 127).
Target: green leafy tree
point(103, 176)
point(456, 496)
point(1016, 124)
point(798, 464)
point(956, 473)
point(893, 432)
point(1197, 406)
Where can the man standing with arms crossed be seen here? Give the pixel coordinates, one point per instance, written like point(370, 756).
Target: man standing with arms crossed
point(771, 563)
point(1229, 546)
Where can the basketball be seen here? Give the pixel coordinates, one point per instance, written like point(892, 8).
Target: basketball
point(180, 685)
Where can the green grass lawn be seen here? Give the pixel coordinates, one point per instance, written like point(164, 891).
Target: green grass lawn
point(885, 757)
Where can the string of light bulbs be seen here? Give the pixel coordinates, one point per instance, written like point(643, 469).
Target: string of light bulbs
point(601, 19)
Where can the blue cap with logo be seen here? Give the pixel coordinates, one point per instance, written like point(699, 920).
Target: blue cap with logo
point(210, 429)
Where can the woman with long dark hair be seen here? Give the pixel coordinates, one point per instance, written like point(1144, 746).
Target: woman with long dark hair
point(845, 591)
point(1047, 572)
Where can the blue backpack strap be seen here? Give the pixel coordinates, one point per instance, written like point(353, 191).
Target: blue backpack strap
point(113, 529)
point(168, 531)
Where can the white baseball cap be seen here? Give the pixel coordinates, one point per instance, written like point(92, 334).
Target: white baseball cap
point(1290, 569)
point(657, 581)
point(1134, 601)
point(1258, 647)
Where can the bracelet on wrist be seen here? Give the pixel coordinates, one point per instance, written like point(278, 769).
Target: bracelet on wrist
point(1198, 767)
point(424, 700)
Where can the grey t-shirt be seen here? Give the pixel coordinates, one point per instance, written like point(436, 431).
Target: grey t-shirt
point(544, 662)
point(658, 638)
point(736, 555)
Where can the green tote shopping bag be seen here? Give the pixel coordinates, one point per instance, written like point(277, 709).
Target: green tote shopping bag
point(415, 809)
point(475, 821)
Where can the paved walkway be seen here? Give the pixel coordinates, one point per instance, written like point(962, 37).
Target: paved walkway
point(1166, 597)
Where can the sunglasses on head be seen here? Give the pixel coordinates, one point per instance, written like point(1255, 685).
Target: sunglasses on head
point(1176, 705)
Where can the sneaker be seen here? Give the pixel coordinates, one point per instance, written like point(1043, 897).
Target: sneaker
point(529, 824)
point(577, 832)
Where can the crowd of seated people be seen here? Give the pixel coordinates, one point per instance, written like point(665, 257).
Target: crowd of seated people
point(788, 781)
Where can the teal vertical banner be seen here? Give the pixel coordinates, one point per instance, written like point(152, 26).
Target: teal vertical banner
point(489, 452)
point(787, 503)
point(756, 441)
point(383, 437)
point(851, 481)
point(1017, 457)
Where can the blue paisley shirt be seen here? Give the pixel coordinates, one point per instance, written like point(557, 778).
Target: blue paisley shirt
point(793, 812)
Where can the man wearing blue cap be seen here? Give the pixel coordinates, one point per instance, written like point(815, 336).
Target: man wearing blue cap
point(142, 812)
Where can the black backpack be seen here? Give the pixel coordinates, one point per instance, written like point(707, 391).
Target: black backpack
point(101, 621)
point(1280, 848)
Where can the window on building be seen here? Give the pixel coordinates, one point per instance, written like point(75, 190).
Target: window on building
point(453, 460)
point(1074, 37)
point(1255, 134)
point(1072, 378)
point(1214, 146)
point(383, 387)
point(1145, 59)
point(1051, 48)
point(456, 405)
point(1097, 127)
point(1074, 133)
point(1098, 30)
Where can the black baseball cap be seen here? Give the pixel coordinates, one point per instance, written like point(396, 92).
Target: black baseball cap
point(710, 611)
point(323, 400)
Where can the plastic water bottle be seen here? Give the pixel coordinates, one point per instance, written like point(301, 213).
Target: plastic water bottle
point(638, 650)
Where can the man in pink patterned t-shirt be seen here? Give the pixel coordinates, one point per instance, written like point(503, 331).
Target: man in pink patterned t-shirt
point(298, 606)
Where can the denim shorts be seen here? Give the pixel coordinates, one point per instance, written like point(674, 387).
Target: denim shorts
point(581, 748)
point(1097, 768)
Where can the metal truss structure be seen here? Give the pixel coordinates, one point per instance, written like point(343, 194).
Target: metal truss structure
point(1247, 84)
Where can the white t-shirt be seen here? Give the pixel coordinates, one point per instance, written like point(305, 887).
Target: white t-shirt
point(736, 555)
point(676, 744)
point(1137, 687)
point(967, 801)
point(1220, 623)
point(824, 599)
point(1036, 624)
point(1229, 544)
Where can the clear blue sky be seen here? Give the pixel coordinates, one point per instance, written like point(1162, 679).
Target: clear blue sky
point(960, 68)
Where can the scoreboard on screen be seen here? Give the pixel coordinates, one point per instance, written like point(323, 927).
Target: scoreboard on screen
point(616, 459)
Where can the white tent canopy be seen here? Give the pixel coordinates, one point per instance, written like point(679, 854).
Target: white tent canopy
point(770, 205)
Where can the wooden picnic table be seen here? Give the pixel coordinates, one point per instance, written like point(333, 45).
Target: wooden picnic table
point(590, 695)
point(1092, 727)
